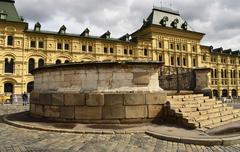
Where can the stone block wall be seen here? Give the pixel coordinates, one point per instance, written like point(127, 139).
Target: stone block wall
point(98, 107)
point(98, 78)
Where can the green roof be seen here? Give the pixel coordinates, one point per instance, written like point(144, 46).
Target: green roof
point(8, 7)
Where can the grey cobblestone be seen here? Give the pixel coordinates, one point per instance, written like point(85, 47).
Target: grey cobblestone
point(14, 139)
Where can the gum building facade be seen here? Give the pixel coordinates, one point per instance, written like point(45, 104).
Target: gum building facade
point(164, 36)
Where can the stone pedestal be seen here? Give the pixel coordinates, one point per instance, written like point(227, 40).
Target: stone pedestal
point(99, 92)
point(203, 81)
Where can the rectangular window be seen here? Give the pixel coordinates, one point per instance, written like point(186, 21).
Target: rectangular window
point(172, 60)
point(40, 44)
point(184, 48)
point(59, 46)
point(105, 50)
point(66, 46)
point(193, 49)
point(178, 47)
point(145, 52)
point(204, 58)
point(184, 62)
point(125, 51)
point(10, 40)
point(131, 52)
point(194, 62)
point(171, 46)
point(215, 73)
point(160, 58)
point(83, 48)
point(33, 44)
point(160, 45)
point(178, 61)
point(90, 49)
point(111, 50)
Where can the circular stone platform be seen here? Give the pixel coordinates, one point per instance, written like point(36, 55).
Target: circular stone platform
point(166, 132)
point(99, 92)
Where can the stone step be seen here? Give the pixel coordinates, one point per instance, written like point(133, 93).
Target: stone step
point(218, 106)
point(227, 117)
point(203, 108)
point(213, 115)
point(235, 111)
point(216, 120)
point(212, 103)
point(205, 123)
point(210, 100)
point(225, 113)
point(187, 110)
point(219, 102)
point(193, 101)
point(223, 123)
point(202, 98)
point(201, 118)
point(192, 105)
point(191, 114)
point(199, 111)
point(178, 97)
point(217, 124)
point(213, 110)
point(236, 119)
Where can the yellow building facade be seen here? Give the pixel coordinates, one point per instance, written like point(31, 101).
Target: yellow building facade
point(164, 36)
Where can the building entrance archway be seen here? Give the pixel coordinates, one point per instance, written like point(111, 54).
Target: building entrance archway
point(224, 93)
point(234, 93)
point(8, 88)
point(215, 93)
point(30, 87)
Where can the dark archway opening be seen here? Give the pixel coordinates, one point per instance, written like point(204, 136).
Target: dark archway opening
point(30, 87)
point(234, 93)
point(58, 62)
point(224, 93)
point(215, 93)
point(8, 88)
point(31, 65)
point(40, 63)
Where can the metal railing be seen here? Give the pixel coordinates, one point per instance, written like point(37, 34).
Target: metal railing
point(172, 74)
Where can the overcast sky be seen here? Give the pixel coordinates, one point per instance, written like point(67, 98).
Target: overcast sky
point(219, 19)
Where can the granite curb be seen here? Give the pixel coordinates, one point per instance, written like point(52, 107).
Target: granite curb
point(212, 141)
point(85, 131)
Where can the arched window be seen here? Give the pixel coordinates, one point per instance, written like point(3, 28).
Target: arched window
point(30, 87)
point(31, 65)
point(234, 93)
point(8, 88)
point(40, 63)
point(224, 93)
point(215, 93)
point(9, 65)
point(10, 40)
point(67, 61)
point(58, 62)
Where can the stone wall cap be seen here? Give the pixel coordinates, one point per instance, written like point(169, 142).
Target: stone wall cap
point(97, 63)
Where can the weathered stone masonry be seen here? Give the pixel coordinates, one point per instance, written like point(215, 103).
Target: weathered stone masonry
point(110, 92)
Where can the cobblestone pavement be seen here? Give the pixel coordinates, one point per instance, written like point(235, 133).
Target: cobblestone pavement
point(14, 139)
